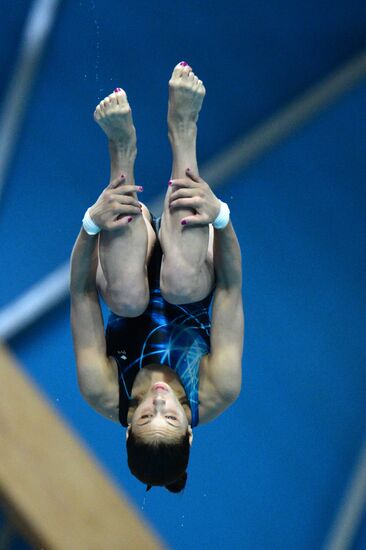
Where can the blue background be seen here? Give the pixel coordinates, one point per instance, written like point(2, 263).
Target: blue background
point(270, 472)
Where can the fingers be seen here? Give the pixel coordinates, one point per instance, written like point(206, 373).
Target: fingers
point(182, 193)
point(125, 210)
point(187, 193)
point(193, 176)
point(120, 221)
point(194, 220)
point(189, 181)
point(117, 188)
point(117, 183)
point(122, 215)
point(126, 189)
point(119, 211)
point(186, 182)
point(123, 204)
point(191, 202)
point(119, 200)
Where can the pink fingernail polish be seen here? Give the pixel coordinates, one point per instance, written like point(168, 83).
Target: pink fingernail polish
point(183, 222)
point(140, 188)
point(118, 89)
point(183, 63)
point(170, 182)
point(122, 176)
point(129, 219)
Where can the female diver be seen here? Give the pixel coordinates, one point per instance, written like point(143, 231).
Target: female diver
point(165, 362)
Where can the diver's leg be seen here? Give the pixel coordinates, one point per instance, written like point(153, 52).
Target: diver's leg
point(187, 273)
point(123, 253)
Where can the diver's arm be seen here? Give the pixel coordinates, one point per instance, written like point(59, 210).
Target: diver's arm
point(96, 376)
point(223, 369)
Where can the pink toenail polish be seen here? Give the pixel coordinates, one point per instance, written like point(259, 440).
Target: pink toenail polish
point(183, 63)
point(118, 89)
point(170, 182)
point(129, 219)
point(183, 222)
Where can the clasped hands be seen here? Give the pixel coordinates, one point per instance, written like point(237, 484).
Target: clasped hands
point(193, 192)
point(116, 207)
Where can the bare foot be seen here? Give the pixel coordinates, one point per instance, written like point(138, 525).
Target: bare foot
point(186, 93)
point(113, 114)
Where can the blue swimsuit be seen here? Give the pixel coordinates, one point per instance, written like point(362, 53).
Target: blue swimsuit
point(177, 336)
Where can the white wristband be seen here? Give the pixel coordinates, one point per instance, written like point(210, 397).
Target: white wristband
point(90, 227)
point(223, 216)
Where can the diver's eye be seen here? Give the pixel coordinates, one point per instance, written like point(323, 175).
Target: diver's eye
point(146, 416)
point(172, 417)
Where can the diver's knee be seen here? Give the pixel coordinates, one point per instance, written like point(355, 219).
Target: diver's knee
point(132, 304)
point(177, 289)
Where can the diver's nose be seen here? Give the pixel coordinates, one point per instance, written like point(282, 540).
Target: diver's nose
point(159, 402)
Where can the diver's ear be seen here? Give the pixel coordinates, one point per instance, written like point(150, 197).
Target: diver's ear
point(190, 435)
point(128, 431)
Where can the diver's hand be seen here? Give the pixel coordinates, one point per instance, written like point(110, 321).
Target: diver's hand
point(193, 192)
point(116, 207)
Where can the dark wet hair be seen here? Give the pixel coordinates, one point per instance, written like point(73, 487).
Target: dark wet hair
point(159, 462)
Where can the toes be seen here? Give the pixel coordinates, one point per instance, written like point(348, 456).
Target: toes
point(195, 83)
point(112, 99)
point(121, 96)
point(98, 112)
point(186, 72)
point(179, 69)
point(118, 97)
point(116, 102)
point(99, 107)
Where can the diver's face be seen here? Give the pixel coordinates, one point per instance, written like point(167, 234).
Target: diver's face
point(160, 414)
